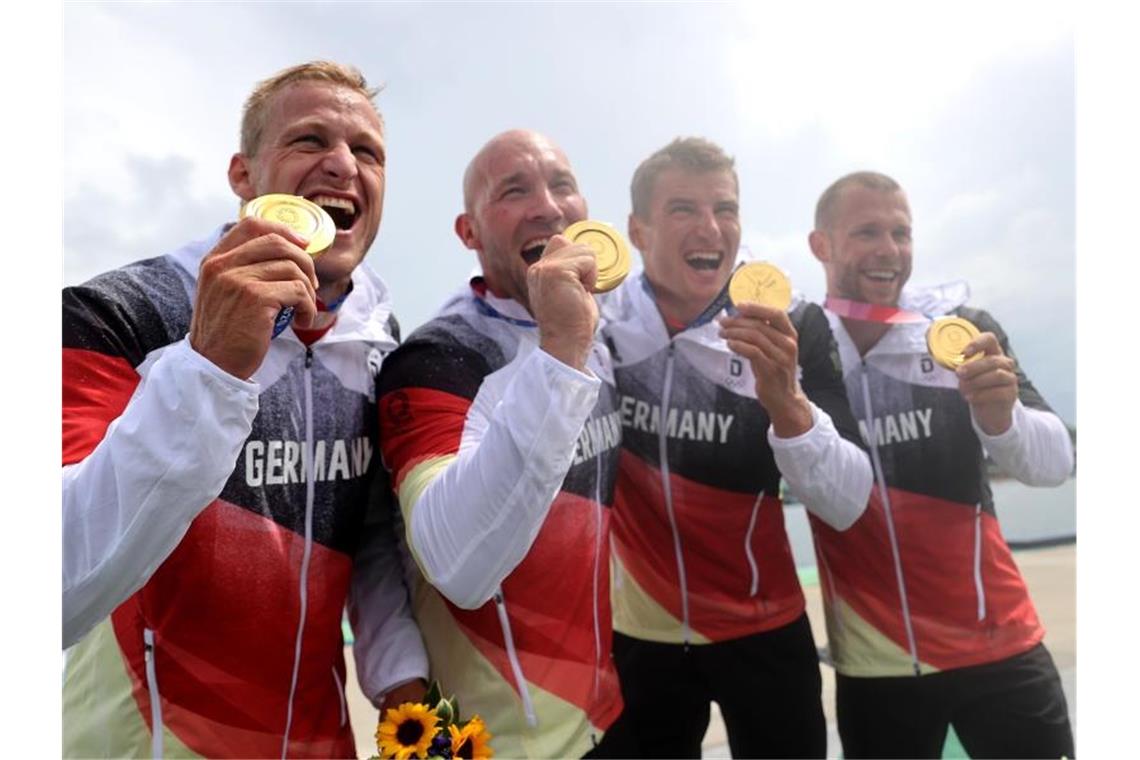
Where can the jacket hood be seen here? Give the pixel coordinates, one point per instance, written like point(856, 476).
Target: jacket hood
point(935, 300)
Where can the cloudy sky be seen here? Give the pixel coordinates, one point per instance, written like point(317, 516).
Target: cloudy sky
point(974, 117)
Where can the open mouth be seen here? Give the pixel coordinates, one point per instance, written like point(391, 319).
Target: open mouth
point(705, 261)
point(532, 250)
point(881, 275)
point(342, 210)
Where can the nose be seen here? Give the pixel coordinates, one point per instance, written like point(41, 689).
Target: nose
point(707, 225)
point(338, 161)
point(892, 247)
point(545, 207)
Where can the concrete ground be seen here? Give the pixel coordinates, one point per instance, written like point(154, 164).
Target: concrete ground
point(1050, 574)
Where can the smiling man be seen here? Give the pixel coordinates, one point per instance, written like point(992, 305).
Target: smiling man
point(216, 480)
point(716, 405)
point(930, 623)
point(500, 427)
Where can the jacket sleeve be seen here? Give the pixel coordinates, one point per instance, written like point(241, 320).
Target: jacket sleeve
point(826, 467)
point(1037, 449)
point(477, 458)
point(144, 451)
point(388, 648)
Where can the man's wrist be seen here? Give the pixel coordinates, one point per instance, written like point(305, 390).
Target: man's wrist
point(571, 352)
point(994, 422)
point(412, 690)
point(793, 418)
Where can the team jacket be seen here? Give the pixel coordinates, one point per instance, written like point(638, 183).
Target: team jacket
point(210, 526)
point(701, 554)
point(924, 580)
point(504, 461)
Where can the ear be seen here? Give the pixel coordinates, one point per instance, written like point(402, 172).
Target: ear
point(240, 181)
point(466, 232)
point(636, 232)
point(820, 245)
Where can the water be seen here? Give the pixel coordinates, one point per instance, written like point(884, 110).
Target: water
point(1026, 515)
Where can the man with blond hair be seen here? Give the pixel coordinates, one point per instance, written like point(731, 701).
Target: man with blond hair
point(216, 479)
point(930, 623)
point(717, 402)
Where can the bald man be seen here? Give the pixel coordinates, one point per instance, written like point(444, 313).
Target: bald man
point(501, 430)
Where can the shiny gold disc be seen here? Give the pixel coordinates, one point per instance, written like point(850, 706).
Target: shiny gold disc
point(301, 214)
point(762, 283)
point(610, 249)
point(947, 337)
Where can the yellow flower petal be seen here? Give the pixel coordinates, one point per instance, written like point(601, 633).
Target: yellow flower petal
point(406, 730)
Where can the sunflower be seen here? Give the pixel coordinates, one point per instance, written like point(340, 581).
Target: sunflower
point(471, 740)
point(407, 730)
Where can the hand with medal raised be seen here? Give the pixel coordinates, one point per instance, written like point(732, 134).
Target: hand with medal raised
point(559, 287)
point(259, 267)
point(988, 382)
point(762, 333)
point(987, 378)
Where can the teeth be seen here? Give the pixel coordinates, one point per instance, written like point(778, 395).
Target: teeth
point(704, 256)
point(536, 243)
point(882, 275)
point(330, 201)
point(704, 261)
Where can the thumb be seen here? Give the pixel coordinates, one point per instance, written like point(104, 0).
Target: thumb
point(557, 242)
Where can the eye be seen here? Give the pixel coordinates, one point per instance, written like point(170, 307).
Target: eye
point(903, 236)
point(729, 209)
point(369, 154)
point(679, 209)
point(513, 191)
point(308, 140)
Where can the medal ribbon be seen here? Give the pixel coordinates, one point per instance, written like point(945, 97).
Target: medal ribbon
point(490, 311)
point(285, 316)
point(868, 312)
point(721, 301)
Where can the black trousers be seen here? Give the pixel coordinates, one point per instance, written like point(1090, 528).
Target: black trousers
point(1011, 708)
point(767, 685)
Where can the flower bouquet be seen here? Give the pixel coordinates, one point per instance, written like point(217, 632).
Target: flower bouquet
point(431, 728)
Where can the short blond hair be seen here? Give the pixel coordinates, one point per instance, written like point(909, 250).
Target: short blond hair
point(691, 154)
point(825, 208)
point(256, 108)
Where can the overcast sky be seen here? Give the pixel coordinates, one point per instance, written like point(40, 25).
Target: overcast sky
point(970, 108)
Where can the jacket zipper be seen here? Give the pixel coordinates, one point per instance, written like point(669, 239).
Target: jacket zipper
point(981, 589)
point(597, 569)
point(156, 734)
point(873, 444)
point(513, 657)
point(663, 455)
point(310, 491)
point(755, 587)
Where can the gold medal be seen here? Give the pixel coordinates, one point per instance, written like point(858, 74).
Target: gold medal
point(300, 214)
point(947, 337)
point(610, 250)
point(762, 283)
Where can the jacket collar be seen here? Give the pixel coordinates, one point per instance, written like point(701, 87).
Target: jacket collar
point(363, 315)
point(908, 337)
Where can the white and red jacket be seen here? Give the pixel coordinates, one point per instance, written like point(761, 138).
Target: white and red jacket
point(214, 528)
point(700, 550)
point(504, 460)
point(924, 580)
